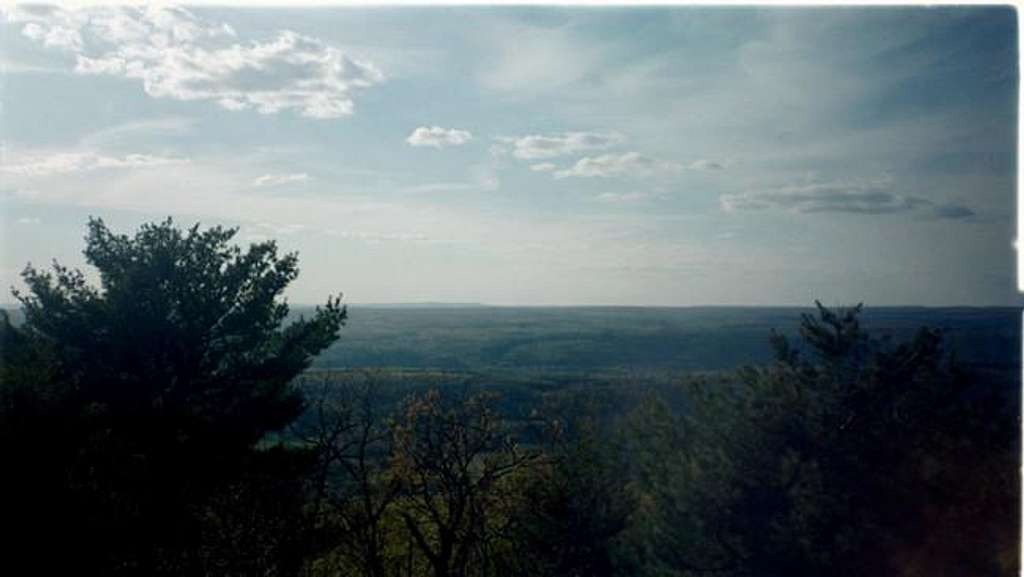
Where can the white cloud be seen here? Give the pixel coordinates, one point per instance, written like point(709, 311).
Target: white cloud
point(376, 237)
point(438, 137)
point(29, 220)
point(871, 197)
point(625, 197)
point(41, 164)
point(608, 165)
point(280, 229)
point(54, 36)
point(176, 55)
point(550, 146)
point(432, 187)
point(631, 164)
point(704, 164)
point(279, 179)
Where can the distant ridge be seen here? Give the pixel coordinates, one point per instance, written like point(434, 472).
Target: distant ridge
point(423, 305)
point(702, 307)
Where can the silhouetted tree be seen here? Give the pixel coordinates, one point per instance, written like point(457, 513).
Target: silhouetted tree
point(166, 376)
point(455, 460)
point(850, 456)
point(351, 433)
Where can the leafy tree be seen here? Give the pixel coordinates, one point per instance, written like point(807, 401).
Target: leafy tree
point(852, 455)
point(355, 488)
point(455, 460)
point(573, 507)
point(676, 525)
point(167, 376)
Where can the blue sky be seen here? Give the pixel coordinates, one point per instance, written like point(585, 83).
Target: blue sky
point(534, 156)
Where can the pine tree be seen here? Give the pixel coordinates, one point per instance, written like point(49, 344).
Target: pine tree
point(165, 377)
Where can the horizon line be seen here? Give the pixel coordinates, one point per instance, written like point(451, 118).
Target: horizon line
point(470, 304)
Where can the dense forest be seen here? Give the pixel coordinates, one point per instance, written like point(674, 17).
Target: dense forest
point(617, 339)
point(178, 419)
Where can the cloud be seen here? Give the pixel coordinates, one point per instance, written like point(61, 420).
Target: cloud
point(281, 229)
point(489, 182)
point(704, 164)
point(625, 197)
point(375, 237)
point(951, 211)
point(37, 164)
point(537, 147)
point(54, 36)
point(176, 55)
point(134, 131)
point(28, 220)
point(870, 198)
point(279, 179)
point(630, 164)
point(609, 165)
point(550, 146)
point(521, 60)
point(482, 180)
point(438, 137)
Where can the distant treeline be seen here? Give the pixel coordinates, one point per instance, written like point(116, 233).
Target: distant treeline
point(599, 338)
point(579, 339)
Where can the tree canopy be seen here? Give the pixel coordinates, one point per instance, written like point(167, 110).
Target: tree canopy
point(166, 376)
point(851, 455)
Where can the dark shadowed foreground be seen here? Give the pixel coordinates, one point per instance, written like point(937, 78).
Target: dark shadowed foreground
point(164, 423)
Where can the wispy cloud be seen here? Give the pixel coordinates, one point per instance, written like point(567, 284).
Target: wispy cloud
point(868, 198)
point(437, 137)
point(270, 230)
point(537, 146)
point(179, 56)
point(951, 211)
point(281, 229)
point(626, 197)
point(544, 167)
point(376, 237)
point(625, 164)
point(521, 60)
point(279, 179)
point(130, 132)
point(481, 181)
point(44, 164)
point(704, 164)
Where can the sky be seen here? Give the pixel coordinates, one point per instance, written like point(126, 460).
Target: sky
point(531, 155)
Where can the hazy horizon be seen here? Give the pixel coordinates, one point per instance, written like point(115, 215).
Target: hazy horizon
point(532, 156)
point(463, 305)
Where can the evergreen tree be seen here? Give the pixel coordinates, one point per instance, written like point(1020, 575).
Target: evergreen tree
point(165, 377)
point(853, 456)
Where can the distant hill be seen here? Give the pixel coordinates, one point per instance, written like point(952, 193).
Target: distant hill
point(424, 305)
point(580, 339)
point(632, 338)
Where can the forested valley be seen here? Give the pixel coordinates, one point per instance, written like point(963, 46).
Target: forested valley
point(178, 418)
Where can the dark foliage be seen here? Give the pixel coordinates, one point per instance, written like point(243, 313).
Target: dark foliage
point(145, 397)
point(852, 456)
